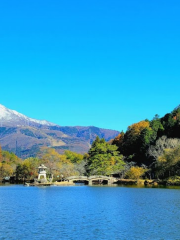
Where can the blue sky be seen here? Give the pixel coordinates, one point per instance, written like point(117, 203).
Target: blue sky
point(103, 63)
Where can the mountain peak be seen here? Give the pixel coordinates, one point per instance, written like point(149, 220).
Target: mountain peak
point(10, 117)
point(25, 136)
point(2, 106)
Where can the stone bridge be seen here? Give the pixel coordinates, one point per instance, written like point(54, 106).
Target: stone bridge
point(89, 180)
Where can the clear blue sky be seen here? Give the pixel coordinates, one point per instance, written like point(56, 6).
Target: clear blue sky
point(106, 63)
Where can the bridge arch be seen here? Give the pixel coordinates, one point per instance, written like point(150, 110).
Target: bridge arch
point(89, 180)
point(100, 179)
point(78, 179)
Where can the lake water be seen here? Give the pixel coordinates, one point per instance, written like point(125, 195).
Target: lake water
point(89, 212)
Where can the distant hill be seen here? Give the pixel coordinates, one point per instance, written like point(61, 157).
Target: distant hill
point(24, 136)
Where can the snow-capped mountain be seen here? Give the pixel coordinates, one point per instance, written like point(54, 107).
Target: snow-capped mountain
point(25, 136)
point(10, 117)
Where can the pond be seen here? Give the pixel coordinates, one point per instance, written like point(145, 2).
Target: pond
point(89, 212)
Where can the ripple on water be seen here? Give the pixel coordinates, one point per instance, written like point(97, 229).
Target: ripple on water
point(89, 213)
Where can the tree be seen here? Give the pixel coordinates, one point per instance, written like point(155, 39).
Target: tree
point(118, 141)
point(122, 173)
point(67, 170)
point(133, 135)
point(5, 170)
point(73, 157)
point(168, 164)
point(80, 168)
point(156, 127)
point(1, 154)
point(23, 171)
point(135, 172)
point(136, 141)
point(135, 129)
point(161, 144)
point(8, 162)
point(104, 159)
point(168, 123)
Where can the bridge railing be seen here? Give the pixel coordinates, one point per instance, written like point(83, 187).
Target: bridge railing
point(98, 176)
point(89, 178)
point(77, 177)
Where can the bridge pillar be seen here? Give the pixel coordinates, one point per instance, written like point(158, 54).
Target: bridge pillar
point(110, 181)
point(71, 182)
point(90, 182)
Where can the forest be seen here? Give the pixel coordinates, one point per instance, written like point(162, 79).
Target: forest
point(148, 149)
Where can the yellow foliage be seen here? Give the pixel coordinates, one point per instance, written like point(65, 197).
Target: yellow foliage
point(56, 163)
point(165, 156)
point(136, 128)
point(51, 155)
point(6, 170)
point(170, 157)
point(112, 161)
point(135, 172)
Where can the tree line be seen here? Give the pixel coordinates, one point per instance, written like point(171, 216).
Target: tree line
point(154, 144)
point(148, 148)
point(102, 159)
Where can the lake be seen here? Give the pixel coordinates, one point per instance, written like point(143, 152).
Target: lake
point(89, 212)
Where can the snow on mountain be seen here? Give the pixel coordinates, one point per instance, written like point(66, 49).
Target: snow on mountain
point(12, 117)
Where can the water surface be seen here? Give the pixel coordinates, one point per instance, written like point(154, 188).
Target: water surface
point(87, 212)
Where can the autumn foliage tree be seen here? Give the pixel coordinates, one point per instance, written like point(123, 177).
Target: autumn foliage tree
point(168, 164)
point(8, 163)
point(135, 172)
point(134, 143)
point(118, 141)
point(5, 170)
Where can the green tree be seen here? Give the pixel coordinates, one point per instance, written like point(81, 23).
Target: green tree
point(73, 157)
point(23, 171)
point(104, 159)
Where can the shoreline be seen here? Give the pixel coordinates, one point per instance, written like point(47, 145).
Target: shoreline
point(121, 182)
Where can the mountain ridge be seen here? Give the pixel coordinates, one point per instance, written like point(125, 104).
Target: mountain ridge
point(14, 118)
point(25, 136)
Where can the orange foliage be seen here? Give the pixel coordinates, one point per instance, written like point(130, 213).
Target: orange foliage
point(119, 139)
point(136, 128)
point(177, 117)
